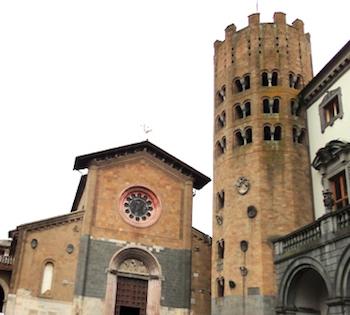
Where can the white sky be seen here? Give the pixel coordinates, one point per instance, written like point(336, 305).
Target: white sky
point(81, 76)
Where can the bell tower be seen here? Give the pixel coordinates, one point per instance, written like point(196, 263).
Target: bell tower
point(262, 184)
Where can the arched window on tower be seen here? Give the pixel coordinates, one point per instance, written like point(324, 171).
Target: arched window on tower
point(220, 199)
point(221, 120)
point(264, 79)
point(246, 82)
point(277, 134)
point(276, 106)
point(266, 106)
point(221, 248)
point(274, 80)
point(46, 284)
point(294, 107)
point(238, 112)
point(291, 79)
point(239, 140)
point(221, 95)
point(221, 146)
point(267, 133)
point(249, 135)
point(299, 135)
point(247, 109)
point(221, 286)
point(297, 84)
point(238, 85)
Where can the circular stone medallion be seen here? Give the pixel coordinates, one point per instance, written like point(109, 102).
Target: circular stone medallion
point(139, 206)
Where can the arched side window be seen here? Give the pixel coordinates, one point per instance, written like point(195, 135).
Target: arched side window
point(247, 109)
point(277, 134)
point(249, 135)
point(239, 140)
point(294, 107)
point(267, 133)
point(247, 82)
point(221, 146)
point(299, 135)
point(238, 112)
point(291, 79)
point(221, 248)
point(266, 106)
point(264, 79)
point(238, 85)
point(276, 106)
point(46, 284)
point(274, 79)
point(295, 81)
point(220, 199)
point(221, 95)
point(220, 286)
point(221, 120)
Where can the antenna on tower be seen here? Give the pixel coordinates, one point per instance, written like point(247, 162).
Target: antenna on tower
point(257, 5)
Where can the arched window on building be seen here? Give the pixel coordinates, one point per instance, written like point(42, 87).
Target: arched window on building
point(266, 106)
point(221, 120)
point(267, 133)
point(221, 286)
point(238, 112)
point(247, 82)
point(247, 109)
point(298, 82)
point(299, 135)
point(2, 299)
point(239, 140)
point(249, 135)
point(274, 79)
point(291, 79)
point(46, 284)
point(221, 146)
point(220, 199)
point(221, 95)
point(294, 107)
point(264, 79)
point(238, 85)
point(276, 106)
point(221, 248)
point(277, 134)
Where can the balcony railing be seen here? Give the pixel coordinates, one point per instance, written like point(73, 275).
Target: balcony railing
point(323, 228)
point(6, 260)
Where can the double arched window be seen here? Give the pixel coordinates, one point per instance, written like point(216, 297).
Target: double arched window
point(221, 95)
point(242, 111)
point(221, 121)
point(243, 137)
point(272, 133)
point(295, 81)
point(221, 146)
point(269, 78)
point(241, 84)
point(271, 105)
point(299, 135)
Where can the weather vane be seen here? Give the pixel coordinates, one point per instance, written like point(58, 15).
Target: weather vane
point(146, 130)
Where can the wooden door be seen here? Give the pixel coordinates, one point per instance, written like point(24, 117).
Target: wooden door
point(131, 296)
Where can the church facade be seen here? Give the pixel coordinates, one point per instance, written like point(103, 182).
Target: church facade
point(281, 215)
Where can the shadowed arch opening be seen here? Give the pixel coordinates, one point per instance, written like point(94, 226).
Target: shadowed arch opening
point(4, 291)
point(2, 299)
point(133, 264)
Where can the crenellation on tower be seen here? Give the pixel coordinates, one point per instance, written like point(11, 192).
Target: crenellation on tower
point(260, 156)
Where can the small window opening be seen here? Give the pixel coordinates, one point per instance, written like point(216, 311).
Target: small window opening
point(238, 112)
point(291, 80)
point(277, 135)
point(239, 86)
point(221, 145)
point(221, 199)
point(247, 82)
point(301, 136)
point(331, 110)
point(249, 135)
point(339, 189)
point(221, 120)
point(221, 286)
point(295, 108)
point(274, 81)
point(247, 109)
point(239, 139)
point(297, 84)
point(295, 135)
point(221, 248)
point(264, 79)
point(275, 106)
point(266, 106)
point(221, 95)
point(267, 133)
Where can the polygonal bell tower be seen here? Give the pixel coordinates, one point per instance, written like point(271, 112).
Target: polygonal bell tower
point(262, 184)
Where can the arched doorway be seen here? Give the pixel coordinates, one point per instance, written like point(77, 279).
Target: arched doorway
point(2, 299)
point(133, 283)
point(307, 293)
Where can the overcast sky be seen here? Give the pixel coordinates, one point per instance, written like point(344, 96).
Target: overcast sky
point(81, 76)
